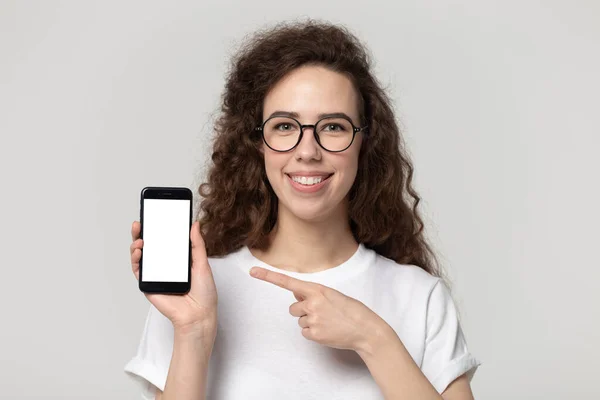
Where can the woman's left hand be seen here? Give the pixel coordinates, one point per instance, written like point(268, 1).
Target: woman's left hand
point(326, 315)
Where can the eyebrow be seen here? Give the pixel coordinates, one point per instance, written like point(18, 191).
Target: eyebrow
point(320, 116)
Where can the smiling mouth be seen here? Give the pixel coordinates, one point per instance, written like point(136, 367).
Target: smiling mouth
point(322, 179)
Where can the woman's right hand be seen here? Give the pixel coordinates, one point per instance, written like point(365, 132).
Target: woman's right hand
point(195, 311)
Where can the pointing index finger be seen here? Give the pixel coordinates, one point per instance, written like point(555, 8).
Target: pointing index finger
point(282, 280)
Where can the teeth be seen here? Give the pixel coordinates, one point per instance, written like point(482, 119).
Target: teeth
point(307, 180)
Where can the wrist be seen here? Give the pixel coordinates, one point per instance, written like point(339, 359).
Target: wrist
point(195, 347)
point(378, 336)
point(202, 330)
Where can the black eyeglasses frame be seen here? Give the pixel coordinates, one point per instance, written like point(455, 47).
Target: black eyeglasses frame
point(355, 130)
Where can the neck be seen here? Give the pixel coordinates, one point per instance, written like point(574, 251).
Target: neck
point(300, 245)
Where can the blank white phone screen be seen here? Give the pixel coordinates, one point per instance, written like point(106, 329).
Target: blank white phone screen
point(166, 239)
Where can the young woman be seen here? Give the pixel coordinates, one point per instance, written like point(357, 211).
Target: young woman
point(310, 183)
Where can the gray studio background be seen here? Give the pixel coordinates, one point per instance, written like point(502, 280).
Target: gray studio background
point(499, 104)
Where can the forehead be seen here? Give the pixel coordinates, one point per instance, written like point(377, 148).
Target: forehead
point(312, 90)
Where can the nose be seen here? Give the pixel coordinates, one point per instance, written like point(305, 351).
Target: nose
point(308, 148)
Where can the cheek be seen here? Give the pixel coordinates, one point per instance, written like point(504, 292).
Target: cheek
point(349, 171)
point(274, 166)
point(349, 177)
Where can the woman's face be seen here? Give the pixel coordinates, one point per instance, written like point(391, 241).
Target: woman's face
point(309, 91)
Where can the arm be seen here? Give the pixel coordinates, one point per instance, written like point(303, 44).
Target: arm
point(392, 367)
point(460, 389)
point(396, 373)
point(189, 365)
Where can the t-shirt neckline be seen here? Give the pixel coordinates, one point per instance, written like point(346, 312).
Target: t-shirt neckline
point(352, 266)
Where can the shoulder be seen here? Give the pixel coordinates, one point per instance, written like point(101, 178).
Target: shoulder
point(424, 296)
point(405, 277)
point(401, 293)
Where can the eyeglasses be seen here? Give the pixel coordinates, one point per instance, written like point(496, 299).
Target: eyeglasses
point(334, 134)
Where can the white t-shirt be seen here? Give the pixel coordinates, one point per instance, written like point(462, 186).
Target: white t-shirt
point(259, 350)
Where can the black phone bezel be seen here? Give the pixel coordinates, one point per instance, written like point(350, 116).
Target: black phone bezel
point(167, 193)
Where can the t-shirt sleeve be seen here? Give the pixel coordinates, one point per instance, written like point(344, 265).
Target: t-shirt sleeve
point(446, 356)
point(150, 365)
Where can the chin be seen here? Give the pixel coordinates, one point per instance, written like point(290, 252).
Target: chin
point(309, 212)
point(312, 217)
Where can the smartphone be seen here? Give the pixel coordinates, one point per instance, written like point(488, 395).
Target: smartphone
point(166, 221)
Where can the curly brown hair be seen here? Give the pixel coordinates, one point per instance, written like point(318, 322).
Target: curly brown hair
point(240, 207)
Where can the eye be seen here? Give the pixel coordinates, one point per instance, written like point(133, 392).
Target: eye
point(333, 127)
point(285, 126)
